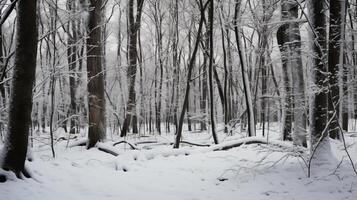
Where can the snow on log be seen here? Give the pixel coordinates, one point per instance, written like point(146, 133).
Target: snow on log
point(253, 140)
point(79, 142)
point(107, 149)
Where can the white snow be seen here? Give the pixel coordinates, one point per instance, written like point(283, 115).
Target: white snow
point(157, 171)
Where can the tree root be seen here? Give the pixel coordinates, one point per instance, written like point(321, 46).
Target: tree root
point(2, 178)
point(19, 174)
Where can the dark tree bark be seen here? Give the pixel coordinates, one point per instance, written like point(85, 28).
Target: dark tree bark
point(319, 104)
point(158, 18)
point(210, 72)
point(335, 62)
point(263, 35)
point(15, 149)
point(96, 98)
point(133, 28)
point(189, 74)
point(2, 65)
point(225, 84)
point(2, 88)
point(72, 63)
point(204, 85)
point(246, 85)
point(283, 39)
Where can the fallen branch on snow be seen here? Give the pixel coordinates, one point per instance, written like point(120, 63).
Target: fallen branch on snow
point(125, 142)
point(254, 140)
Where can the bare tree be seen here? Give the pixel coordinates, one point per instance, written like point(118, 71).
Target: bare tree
point(210, 72)
point(133, 29)
point(246, 84)
point(189, 74)
point(72, 61)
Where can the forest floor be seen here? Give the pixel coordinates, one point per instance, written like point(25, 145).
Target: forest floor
point(156, 171)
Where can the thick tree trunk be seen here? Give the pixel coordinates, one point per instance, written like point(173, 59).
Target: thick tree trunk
point(298, 81)
point(15, 149)
point(319, 103)
point(283, 39)
point(290, 46)
point(335, 62)
point(96, 98)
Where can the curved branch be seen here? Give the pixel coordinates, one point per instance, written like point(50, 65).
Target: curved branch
point(120, 142)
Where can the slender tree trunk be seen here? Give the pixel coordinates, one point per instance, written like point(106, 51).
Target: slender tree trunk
point(176, 65)
point(210, 72)
point(246, 85)
point(2, 88)
point(190, 69)
point(345, 72)
point(72, 62)
point(263, 45)
point(159, 36)
point(225, 85)
point(133, 28)
point(2, 67)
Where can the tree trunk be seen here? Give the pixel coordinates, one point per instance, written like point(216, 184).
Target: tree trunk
point(96, 98)
point(335, 62)
point(189, 73)
point(15, 149)
point(244, 70)
point(297, 70)
point(319, 103)
point(72, 61)
point(133, 28)
point(283, 39)
point(210, 72)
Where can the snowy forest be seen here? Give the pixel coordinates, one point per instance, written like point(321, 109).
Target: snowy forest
point(178, 99)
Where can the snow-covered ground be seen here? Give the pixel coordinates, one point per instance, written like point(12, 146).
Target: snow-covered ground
point(156, 171)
